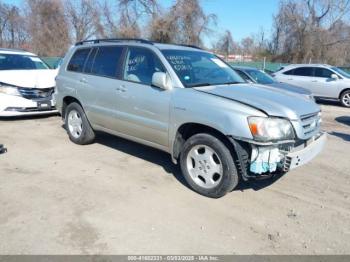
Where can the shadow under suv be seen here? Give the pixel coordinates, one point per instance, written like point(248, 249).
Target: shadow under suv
point(189, 103)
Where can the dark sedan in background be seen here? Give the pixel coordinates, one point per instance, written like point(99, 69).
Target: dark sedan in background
point(253, 75)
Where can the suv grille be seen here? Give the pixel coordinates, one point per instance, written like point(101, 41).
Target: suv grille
point(36, 93)
point(310, 123)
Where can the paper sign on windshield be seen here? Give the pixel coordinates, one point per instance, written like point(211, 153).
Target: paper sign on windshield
point(219, 62)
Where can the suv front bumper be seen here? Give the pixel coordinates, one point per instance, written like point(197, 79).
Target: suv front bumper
point(299, 157)
point(259, 161)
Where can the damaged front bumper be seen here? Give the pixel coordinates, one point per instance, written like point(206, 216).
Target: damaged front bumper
point(256, 160)
point(299, 157)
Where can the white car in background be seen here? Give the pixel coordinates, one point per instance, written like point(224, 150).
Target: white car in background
point(323, 81)
point(26, 84)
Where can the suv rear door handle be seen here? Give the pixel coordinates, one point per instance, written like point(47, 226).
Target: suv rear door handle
point(121, 89)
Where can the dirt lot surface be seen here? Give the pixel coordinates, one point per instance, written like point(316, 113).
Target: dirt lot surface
point(118, 197)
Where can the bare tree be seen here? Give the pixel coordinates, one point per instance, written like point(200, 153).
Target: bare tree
point(191, 21)
point(248, 46)
point(48, 27)
point(307, 30)
point(184, 23)
point(127, 18)
point(12, 33)
point(226, 45)
point(84, 19)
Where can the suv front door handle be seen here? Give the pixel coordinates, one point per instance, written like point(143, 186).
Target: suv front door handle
point(83, 80)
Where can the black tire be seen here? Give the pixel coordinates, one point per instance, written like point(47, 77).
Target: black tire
point(345, 98)
point(87, 134)
point(229, 178)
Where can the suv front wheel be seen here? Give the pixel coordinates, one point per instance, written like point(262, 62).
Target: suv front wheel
point(77, 125)
point(345, 98)
point(208, 166)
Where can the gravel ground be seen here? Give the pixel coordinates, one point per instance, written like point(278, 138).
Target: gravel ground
point(118, 197)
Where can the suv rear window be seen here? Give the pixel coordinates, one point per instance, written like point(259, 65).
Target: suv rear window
point(107, 60)
point(76, 64)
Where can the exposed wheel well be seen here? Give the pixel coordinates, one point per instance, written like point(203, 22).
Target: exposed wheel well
point(189, 129)
point(239, 150)
point(342, 92)
point(66, 101)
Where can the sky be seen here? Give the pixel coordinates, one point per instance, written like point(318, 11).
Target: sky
point(241, 17)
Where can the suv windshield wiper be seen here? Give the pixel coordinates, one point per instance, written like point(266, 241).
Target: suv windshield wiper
point(201, 84)
point(215, 84)
point(232, 83)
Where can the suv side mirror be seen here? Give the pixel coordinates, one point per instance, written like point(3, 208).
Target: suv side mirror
point(334, 77)
point(160, 79)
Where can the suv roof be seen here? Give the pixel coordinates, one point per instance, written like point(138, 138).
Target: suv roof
point(15, 52)
point(288, 67)
point(136, 41)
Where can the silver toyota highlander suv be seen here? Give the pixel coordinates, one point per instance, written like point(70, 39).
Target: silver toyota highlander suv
point(189, 103)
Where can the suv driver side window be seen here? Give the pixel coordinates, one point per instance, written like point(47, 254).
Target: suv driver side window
point(140, 65)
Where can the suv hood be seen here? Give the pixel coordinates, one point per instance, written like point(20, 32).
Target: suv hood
point(29, 78)
point(273, 101)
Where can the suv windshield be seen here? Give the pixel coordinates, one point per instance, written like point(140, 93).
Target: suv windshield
point(196, 68)
point(21, 62)
point(260, 77)
point(341, 72)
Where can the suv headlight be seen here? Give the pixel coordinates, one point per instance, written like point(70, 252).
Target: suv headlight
point(266, 129)
point(9, 90)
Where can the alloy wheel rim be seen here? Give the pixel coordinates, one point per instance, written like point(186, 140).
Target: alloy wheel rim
point(346, 99)
point(75, 124)
point(204, 166)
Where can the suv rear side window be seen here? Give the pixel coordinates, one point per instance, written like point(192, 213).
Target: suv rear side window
point(323, 72)
point(76, 64)
point(303, 71)
point(140, 65)
point(107, 60)
point(89, 62)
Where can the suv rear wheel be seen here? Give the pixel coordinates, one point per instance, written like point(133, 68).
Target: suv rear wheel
point(345, 98)
point(208, 166)
point(77, 125)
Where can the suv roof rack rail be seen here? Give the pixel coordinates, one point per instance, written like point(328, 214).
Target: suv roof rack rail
point(12, 49)
point(192, 46)
point(96, 41)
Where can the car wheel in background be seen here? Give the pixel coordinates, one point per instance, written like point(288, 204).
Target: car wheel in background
point(77, 125)
point(208, 166)
point(345, 98)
